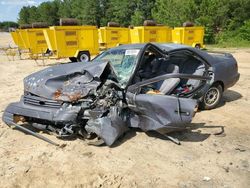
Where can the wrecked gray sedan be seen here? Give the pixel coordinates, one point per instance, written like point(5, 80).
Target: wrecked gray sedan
point(154, 87)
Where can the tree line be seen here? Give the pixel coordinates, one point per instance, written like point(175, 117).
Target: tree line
point(5, 26)
point(221, 18)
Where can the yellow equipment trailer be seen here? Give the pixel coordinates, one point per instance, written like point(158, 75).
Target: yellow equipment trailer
point(112, 36)
point(34, 40)
point(24, 37)
point(75, 42)
point(192, 36)
point(142, 34)
point(16, 36)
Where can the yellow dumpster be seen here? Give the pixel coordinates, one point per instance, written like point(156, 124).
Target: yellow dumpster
point(75, 42)
point(17, 39)
point(34, 40)
point(15, 36)
point(192, 36)
point(142, 34)
point(24, 37)
point(112, 36)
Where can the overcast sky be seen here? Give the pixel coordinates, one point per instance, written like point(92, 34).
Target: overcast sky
point(9, 9)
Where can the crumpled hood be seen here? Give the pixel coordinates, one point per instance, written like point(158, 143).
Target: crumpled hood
point(66, 82)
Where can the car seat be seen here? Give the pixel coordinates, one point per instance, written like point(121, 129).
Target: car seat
point(198, 71)
point(168, 85)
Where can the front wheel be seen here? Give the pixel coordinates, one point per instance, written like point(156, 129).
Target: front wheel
point(212, 97)
point(83, 56)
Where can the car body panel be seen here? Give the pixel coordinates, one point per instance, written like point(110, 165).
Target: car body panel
point(160, 113)
point(65, 82)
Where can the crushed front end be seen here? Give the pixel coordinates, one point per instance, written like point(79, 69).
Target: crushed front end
point(87, 100)
point(72, 100)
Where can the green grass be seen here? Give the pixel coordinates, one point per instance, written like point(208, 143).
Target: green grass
point(230, 44)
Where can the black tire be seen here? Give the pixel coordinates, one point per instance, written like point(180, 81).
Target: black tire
point(212, 97)
point(198, 46)
point(188, 24)
point(40, 25)
point(73, 59)
point(25, 26)
point(113, 24)
point(149, 23)
point(68, 21)
point(83, 56)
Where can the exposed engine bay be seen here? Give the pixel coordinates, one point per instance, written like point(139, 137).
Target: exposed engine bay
point(102, 113)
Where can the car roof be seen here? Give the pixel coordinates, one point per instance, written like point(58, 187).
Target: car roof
point(163, 46)
point(131, 46)
point(170, 46)
point(167, 47)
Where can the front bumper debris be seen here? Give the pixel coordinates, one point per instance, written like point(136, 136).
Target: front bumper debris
point(66, 113)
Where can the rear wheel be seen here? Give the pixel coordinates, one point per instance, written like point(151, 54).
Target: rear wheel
point(212, 97)
point(83, 56)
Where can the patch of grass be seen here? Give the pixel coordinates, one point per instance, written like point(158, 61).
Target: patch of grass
point(239, 38)
point(230, 43)
point(233, 43)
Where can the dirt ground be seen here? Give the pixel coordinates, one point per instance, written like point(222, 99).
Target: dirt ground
point(203, 159)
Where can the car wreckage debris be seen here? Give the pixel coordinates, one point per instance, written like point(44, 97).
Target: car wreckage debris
point(101, 107)
point(175, 140)
point(143, 86)
point(33, 134)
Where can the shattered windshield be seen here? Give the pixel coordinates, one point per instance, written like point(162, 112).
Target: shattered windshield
point(123, 61)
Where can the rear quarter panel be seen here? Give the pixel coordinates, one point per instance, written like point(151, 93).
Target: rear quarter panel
point(225, 69)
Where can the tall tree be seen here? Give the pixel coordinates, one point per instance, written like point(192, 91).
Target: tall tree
point(121, 11)
point(65, 9)
point(24, 15)
point(104, 17)
point(142, 11)
point(87, 11)
point(33, 14)
point(49, 12)
point(175, 12)
point(239, 11)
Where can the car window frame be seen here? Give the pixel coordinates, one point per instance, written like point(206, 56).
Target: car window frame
point(140, 57)
point(137, 86)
